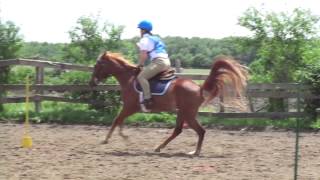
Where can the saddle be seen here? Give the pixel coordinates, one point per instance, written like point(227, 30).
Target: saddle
point(165, 75)
point(160, 83)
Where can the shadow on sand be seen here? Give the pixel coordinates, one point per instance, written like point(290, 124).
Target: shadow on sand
point(165, 155)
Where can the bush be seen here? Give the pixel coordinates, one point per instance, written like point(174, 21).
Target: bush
point(112, 97)
point(312, 78)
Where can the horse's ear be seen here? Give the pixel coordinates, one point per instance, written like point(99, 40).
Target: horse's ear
point(106, 53)
point(101, 56)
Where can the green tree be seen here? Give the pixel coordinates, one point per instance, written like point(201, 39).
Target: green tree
point(238, 47)
point(310, 75)
point(198, 52)
point(89, 39)
point(312, 78)
point(43, 50)
point(10, 42)
point(281, 40)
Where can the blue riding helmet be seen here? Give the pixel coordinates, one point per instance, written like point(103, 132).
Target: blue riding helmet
point(145, 25)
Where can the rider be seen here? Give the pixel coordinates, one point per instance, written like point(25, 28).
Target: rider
point(150, 47)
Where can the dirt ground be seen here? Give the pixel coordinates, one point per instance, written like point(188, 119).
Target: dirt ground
point(74, 152)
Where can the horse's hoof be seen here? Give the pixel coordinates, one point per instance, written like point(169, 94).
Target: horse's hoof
point(104, 142)
point(194, 153)
point(125, 137)
point(157, 150)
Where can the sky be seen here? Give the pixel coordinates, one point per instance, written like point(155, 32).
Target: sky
point(50, 20)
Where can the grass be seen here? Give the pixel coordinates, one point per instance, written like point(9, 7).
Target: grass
point(53, 112)
point(68, 113)
point(251, 122)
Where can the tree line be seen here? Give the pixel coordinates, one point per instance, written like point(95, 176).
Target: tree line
point(193, 52)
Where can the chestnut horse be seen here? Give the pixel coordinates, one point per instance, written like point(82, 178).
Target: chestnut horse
point(183, 96)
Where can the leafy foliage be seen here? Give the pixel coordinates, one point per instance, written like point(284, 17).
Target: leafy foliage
point(193, 52)
point(10, 40)
point(88, 40)
point(312, 78)
point(18, 74)
point(281, 40)
point(10, 43)
point(199, 52)
point(37, 50)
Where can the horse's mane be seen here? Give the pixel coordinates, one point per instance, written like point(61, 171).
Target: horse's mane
point(119, 58)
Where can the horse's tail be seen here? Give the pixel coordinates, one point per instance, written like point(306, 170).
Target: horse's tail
point(225, 73)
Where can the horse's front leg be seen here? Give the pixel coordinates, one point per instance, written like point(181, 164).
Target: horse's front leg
point(118, 121)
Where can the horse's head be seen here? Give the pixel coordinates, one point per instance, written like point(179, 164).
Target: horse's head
point(110, 64)
point(101, 70)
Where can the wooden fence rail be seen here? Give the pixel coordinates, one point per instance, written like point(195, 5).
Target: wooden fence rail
point(41, 91)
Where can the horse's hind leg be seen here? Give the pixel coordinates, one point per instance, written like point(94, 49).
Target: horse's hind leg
point(194, 124)
point(176, 132)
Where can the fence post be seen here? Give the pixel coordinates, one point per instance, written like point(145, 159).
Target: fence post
point(39, 80)
point(221, 103)
point(251, 104)
point(296, 157)
point(178, 65)
point(250, 99)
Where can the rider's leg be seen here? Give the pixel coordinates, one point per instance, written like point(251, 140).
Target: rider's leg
point(156, 66)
